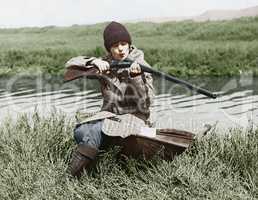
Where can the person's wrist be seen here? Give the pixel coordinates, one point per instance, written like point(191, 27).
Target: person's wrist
point(90, 62)
point(133, 75)
point(93, 61)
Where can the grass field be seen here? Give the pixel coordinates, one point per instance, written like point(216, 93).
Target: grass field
point(183, 48)
point(34, 153)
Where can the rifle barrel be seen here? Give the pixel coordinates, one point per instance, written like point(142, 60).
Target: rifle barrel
point(127, 63)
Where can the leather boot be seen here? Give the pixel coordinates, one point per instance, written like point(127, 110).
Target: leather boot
point(82, 157)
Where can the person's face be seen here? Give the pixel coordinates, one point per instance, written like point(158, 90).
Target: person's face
point(120, 50)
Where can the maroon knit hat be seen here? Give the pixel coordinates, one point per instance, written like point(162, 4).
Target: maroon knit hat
point(114, 33)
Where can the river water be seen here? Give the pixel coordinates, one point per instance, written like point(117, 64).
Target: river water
point(174, 106)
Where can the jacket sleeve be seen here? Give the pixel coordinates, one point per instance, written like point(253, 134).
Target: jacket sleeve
point(143, 83)
point(81, 61)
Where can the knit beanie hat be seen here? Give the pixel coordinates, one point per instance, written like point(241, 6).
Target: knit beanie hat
point(114, 33)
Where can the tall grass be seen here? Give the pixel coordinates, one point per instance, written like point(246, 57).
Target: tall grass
point(34, 154)
point(183, 48)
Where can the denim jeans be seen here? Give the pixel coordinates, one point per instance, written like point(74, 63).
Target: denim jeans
point(90, 134)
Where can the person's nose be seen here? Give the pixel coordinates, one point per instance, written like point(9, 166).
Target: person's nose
point(120, 48)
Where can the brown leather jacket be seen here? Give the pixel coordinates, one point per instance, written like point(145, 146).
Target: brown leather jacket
point(122, 93)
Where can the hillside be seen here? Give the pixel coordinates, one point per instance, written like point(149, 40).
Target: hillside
point(210, 15)
point(227, 14)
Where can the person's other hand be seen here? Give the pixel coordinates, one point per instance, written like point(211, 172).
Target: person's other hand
point(135, 69)
point(102, 65)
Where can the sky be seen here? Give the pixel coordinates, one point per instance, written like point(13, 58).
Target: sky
point(30, 13)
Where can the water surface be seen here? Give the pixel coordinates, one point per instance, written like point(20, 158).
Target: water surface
point(174, 106)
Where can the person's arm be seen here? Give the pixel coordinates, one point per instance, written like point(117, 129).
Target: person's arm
point(143, 83)
point(87, 62)
point(81, 61)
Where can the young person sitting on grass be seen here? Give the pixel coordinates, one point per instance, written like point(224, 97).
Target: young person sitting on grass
point(127, 94)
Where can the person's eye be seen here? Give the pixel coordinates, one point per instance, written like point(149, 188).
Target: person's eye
point(115, 45)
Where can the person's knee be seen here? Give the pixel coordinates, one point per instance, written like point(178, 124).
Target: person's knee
point(89, 134)
point(81, 133)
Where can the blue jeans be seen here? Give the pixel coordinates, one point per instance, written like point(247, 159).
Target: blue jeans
point(90, 134)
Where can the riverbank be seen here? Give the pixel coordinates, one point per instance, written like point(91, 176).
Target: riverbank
point(223, 48)
point(35, 151)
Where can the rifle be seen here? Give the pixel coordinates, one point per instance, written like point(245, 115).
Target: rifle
point(75, 72)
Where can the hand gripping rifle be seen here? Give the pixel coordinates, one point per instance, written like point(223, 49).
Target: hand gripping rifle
point(75, 72)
